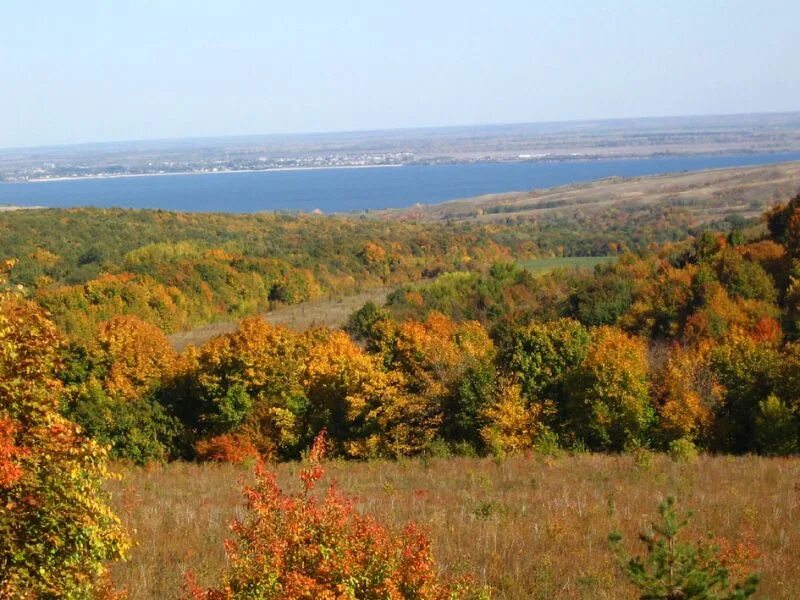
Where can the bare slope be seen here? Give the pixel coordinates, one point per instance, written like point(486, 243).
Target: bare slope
point(707, 194)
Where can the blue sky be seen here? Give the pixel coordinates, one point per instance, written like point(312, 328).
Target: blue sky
point(82, 71)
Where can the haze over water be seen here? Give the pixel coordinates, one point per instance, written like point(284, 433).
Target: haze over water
point(345, 190)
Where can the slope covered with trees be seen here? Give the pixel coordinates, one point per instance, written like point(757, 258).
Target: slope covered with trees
point(178, 270)
point(689, 345)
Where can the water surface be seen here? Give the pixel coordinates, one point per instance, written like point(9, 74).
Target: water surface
point(343, 190)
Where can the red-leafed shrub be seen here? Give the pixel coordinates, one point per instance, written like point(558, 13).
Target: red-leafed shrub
point(228, 447)
point(317, 546)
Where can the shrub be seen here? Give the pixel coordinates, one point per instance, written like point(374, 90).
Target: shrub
point(310, 546)
point(683, 450)
point(674, 570)
point(227, 447)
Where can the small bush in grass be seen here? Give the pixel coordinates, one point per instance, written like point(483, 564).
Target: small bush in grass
point(310, 545)
point(642, 457)
point(675, 570)
point(683, 451)
point(228, 447)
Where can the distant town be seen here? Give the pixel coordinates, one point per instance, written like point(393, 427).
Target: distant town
point(588, 140)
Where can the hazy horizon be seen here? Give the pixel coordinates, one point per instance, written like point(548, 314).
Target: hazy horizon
point(93, 72)
point(457, 126)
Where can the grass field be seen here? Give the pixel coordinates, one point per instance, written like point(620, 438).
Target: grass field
point(530, 527)
point(545, 265)
point(332, 312)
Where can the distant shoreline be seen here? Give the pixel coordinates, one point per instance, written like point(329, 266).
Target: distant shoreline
point(183, 173)
point(553, 158)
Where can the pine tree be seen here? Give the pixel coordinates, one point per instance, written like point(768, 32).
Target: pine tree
point(674, 570)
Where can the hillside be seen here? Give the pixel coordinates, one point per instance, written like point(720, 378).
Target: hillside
point(707, 195)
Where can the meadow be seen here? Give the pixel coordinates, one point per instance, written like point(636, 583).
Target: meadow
point(529, 526)
point(547, 265)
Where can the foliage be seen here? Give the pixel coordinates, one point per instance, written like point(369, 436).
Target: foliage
point(748, 372)
point(176, 270)
point(227, 447)
point(293, 546)
point(56, 528)
point(607, 396)
point(784, 225)
point(361, 323)
point(682, 450)
point(776, 428)
point(676, 570)
point(113, 390)
point(689, 394)
point(511, 423)
point(541, 355)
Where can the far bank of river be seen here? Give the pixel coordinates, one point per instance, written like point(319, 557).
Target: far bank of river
point(347, 189)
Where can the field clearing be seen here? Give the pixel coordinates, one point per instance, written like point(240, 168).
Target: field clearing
point(546, 265)
point(531, 527)
point(332, 312)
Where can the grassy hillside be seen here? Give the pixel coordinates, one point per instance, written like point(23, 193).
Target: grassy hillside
point(332, 312)
point(546, 265)
point(706, 195)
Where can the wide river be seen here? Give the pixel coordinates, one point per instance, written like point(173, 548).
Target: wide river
point(344, 190)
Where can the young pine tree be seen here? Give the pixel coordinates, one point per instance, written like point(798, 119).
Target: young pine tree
point(674, 570)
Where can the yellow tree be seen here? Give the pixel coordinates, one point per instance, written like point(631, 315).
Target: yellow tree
point(607, 396)
point(448, 365)
point(689, 393)
point(134, 355)
point(512, 424)
point(363, 406)
point(56, 528)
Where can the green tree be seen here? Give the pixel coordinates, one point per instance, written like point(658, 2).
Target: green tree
point(541, 355)
point(776, 428)
point(749, 373)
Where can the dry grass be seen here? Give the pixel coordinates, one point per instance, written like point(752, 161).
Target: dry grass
point(529, 527)
point(707, 195)
point(332, 312)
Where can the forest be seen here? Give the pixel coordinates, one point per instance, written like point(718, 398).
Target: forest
point(179, 270)
point(686, 343)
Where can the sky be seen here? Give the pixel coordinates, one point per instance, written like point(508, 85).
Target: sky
point(112, 70)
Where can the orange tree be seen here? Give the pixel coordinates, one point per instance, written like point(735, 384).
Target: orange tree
point(317, 546)
point(56, 528)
